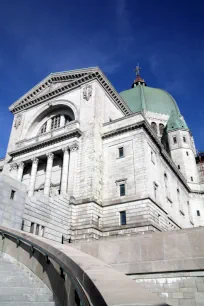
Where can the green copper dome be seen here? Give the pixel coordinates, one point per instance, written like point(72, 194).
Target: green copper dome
point(140, 98)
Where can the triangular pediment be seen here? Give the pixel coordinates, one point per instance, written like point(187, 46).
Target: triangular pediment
point(61, 82)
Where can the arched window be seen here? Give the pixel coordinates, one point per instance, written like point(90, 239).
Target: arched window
point(161, 129)
point(43, 128)
point(154, 127)
point(56, 122)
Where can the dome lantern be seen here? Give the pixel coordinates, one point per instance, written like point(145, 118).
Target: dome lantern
point(138, 80)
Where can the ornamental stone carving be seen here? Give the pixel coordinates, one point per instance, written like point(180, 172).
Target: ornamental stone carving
point(74, 147)
point(87, 92)
point(18, 121)
point(50, 156)
point(35, 160)
point(13, 167)
point(65, 149)
point(21, 165)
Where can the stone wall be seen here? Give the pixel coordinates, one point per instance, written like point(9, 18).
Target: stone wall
point(54, 214)
point(176, 289)
point(12, 202)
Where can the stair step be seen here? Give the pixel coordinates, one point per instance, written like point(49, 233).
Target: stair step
point(26, 297)
point(25, 290)
point(29, 304)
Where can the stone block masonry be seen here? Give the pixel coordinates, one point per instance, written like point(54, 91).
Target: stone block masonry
point(12, 202)
point(176, 289)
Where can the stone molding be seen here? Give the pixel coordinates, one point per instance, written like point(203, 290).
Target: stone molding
point(76, 78)
point(76, 133)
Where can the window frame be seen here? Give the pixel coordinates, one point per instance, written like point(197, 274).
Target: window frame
point(174, 139)
point(120, 187)
point(123, 219)
point(12, 194)
point(121, 149)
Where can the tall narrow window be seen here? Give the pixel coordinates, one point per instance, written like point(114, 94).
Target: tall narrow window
point(153, 157)
point(123, 218)
point(191, 179)
point(161, 129)
point(179, 167)
point(184, 139)
point(154, 127)
point(187, 153)
point(43, 128)
point(32, 228)
point(122, 190)
point(198, 213)
point(12, 195)
point(174, 140)
point(121, 152)
point(55, 122)
point(37, 229)
point(155, 190)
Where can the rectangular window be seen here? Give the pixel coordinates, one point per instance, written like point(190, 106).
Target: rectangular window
point(191, 179)
point(174, 140)
point(32, 228)
point(122, 190)
point(121, 152)
point(12, 194)
point(99, 221)
point(198, 213)
point(123, 218)
point(37, 229)
point(184, 139)
point(42, 231)
point(187, 153)
point(179, 167)
point(155, 190)
point(153, 157)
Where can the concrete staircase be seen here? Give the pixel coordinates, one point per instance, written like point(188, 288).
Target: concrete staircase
point(19, 286)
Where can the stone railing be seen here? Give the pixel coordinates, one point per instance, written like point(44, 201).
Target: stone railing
point(68, 128)
point(69, 272)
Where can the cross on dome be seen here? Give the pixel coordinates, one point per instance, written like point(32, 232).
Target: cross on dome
point(137, 69)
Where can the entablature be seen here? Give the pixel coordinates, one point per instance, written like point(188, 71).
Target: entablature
point(68, 131)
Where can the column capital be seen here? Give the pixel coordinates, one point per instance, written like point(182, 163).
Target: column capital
point(65, 149)
point(50, 155)
point(21, 165)
point(13, 166)
point(35, 160)
point(74, 147)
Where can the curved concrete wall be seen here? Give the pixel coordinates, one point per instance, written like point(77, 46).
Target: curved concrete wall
point(95, 282)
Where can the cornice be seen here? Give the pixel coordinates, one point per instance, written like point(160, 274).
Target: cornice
point(76, 78)
point(75, 133)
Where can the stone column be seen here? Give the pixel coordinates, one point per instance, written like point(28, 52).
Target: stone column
point(62, 120)
point(14, 169)
point(72, 168)
point(65, 170)
point(49, 121)
point(33, 176)
point(50, 157)
point(20, 171)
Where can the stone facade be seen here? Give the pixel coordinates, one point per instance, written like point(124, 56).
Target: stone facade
point(65, 147)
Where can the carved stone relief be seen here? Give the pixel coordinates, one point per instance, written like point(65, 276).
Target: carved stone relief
point(87, 92)
point(18, 121)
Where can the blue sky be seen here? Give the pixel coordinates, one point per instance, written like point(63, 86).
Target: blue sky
point(165, 37)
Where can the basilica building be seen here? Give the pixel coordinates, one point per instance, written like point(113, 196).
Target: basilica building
point(97, 163)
